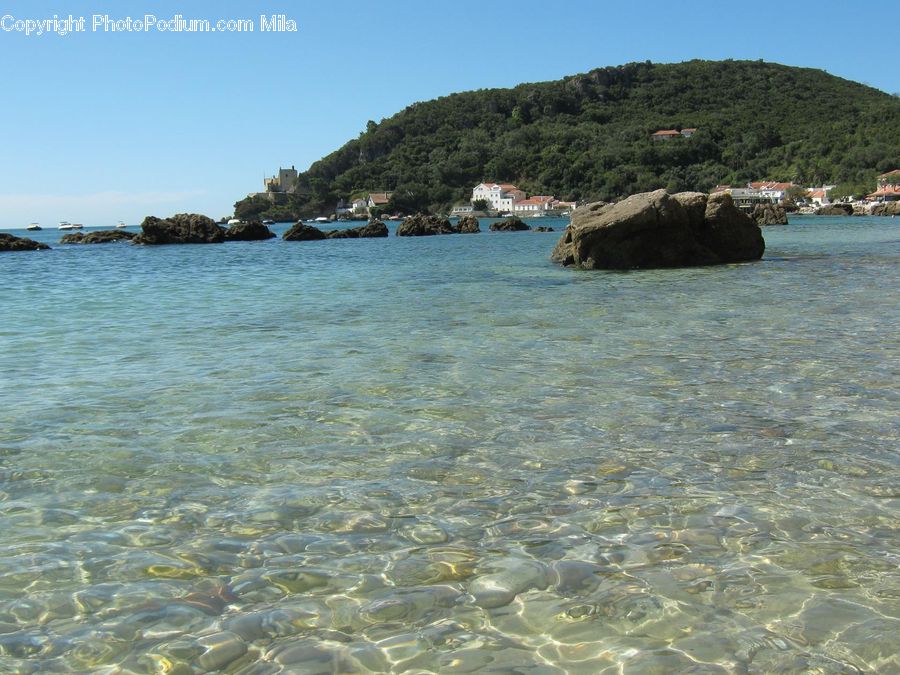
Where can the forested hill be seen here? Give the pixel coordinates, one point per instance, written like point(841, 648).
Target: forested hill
point(588, 136)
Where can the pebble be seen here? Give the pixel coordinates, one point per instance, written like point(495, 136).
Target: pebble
point(220, 649)
point(516, 575)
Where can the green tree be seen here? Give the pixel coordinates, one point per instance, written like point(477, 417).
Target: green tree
point(481, 205)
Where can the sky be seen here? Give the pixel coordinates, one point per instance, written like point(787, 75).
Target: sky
point(102, 126)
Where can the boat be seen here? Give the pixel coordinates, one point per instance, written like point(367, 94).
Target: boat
point(77, 226)
point(66, 225)
point(321, 219)
point(34, 226)
point(121, 224)
point(234, 221)
point(268, 221)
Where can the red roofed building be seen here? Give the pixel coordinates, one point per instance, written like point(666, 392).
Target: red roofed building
point(666, 134)
point(532, 205)
point(888, 187)
point(379, 198)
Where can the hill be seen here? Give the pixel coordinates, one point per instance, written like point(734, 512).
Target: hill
point(587, 137)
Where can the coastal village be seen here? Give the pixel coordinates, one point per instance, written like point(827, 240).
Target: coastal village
point(490, 198)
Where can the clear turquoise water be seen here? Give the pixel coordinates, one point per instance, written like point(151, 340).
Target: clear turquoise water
point(446, 454)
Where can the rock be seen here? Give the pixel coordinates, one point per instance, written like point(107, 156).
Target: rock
point(769, 214)
point(885, 209)
point(9, 242)
point(589, 210)
point(182, 228)
point(374, 229)
point(99, 237)
point(694, 203)
point(421, 225)
point(655, 229)
point(252, 231)
point(303, 232)
point(835, 210)
point(543, 228)
point(468, 225)
point(220, 649)
point(512, 576)
point(513, 224)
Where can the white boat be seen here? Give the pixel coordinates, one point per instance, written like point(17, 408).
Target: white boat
point(34, 226)
point(66, 225)
point(77, 226)
point(234, 221)
point(268, 221)
point(321, 219)
point(121, 224)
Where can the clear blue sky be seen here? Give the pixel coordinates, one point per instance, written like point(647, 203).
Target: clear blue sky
point(101, 127)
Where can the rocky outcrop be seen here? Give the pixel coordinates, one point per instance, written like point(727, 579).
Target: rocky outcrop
point(885, 209)
point(510, 225)
point(656, 229)
point(252, 231)
point(9, 242)
point(98, 237)
point(421, 225)
point(835, 210)
point(587, 211)
point(769, 214)
point(374, 229)
point(182, 228)
point(468, 225)
point(543, 228)
point(303, 232)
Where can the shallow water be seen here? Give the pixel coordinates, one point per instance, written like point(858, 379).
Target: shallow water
point(445, 454)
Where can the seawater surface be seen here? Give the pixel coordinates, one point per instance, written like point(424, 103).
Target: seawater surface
point(446, 454)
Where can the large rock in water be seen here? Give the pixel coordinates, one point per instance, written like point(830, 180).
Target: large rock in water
point(468, 225)
point(98, 237)
point(421, 225)
point(182, 228)
point(374, 229)
point(9, 242)
point(835, 210)
point(769, 214)
point(656, 229)
point(252, 231)
point(510, 225)
point(302, 232)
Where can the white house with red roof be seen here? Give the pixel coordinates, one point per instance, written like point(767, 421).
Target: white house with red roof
point(501, 196)
point(819, 195)
point(533, 205)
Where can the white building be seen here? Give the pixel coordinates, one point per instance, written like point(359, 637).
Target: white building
point(775, 192)
point(533, 205)
point(501, 196)
point(819, 195)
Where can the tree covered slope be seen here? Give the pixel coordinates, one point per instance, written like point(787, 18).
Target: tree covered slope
point(588, 136)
